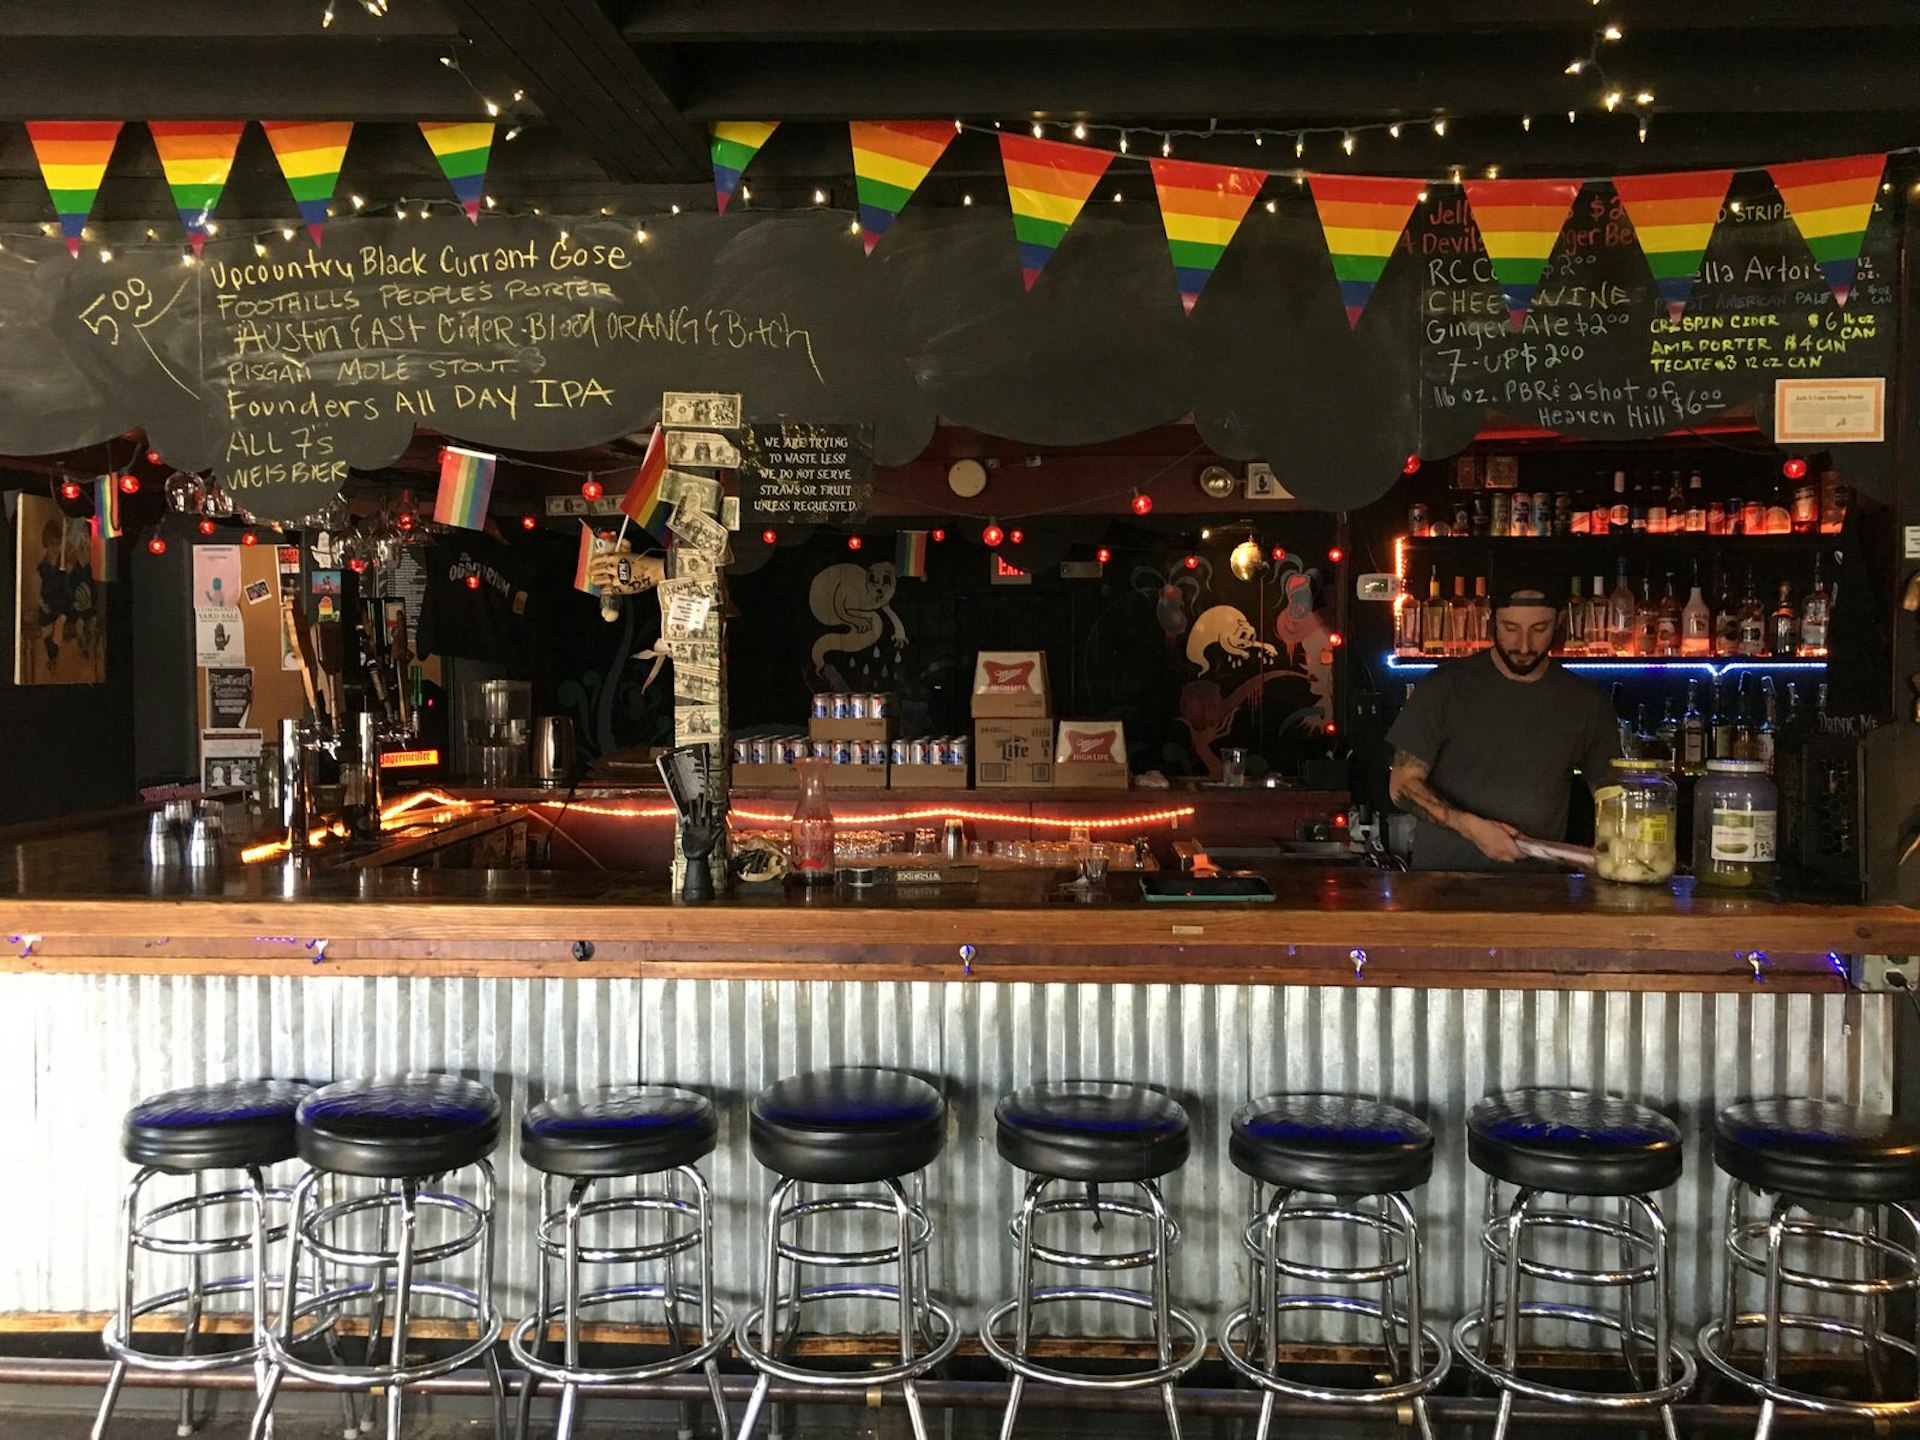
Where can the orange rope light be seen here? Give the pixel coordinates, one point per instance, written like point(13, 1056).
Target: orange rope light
point(622, 812)
point(934, 812)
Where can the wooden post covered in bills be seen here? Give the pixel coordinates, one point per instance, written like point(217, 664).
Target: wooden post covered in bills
point(698, 428)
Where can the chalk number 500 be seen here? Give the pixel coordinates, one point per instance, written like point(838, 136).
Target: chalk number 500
point(132, 299)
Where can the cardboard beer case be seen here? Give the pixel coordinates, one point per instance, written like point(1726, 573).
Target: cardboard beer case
point(1011, 685)
point(927, 777)
point(1090, 755)
point(1012, 754)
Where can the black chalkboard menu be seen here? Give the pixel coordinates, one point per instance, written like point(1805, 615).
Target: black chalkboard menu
point(805, 473)
point(284, 371)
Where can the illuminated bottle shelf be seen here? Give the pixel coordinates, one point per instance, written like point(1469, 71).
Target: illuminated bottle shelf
point(1714, 667)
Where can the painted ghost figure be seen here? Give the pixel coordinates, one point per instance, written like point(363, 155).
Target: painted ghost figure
point(1225, 626)
point(859, 599)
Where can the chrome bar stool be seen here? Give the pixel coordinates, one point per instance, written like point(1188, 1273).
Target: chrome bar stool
point(1089, 1133)
point(858, 1131)
point(1346, 1150)
point(401, 1133)
point(652, 1137)
point(1809, 1163)
point(1545, 1142)
point(245, 1126)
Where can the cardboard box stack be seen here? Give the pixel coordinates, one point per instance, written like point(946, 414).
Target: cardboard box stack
point(1091, 755)
point(850, 732)
point(1012, 720)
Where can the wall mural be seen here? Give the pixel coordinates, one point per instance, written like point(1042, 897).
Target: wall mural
point(857, 602)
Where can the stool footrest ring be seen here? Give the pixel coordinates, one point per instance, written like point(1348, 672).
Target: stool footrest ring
point(1236, 1354)
point(757, 1357)
point(365, 1377)
point(1070, 1294)
point(1713, 1342)
point(520, 1339)
point(1465, 1337)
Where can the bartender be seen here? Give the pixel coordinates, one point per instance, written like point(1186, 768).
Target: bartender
point(1485, 750)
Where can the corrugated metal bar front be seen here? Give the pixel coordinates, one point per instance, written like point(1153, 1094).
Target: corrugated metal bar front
point(76, 1051)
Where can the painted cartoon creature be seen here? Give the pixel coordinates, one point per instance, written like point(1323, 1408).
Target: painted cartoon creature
point(858, 598)
point(1226, 627)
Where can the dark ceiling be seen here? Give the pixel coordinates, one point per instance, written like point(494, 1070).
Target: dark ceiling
point(619, 92)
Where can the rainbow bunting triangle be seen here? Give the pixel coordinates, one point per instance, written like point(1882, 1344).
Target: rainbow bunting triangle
point(461, 147)
point(1201, 207)
point(1832, 201)
point(310, 153)
point(1519, 220)
point(196, 156)
point(466, 487)
point(1673, 217)
point(735, 143)
point(1048, 183)
point(73, 157)
point(890, 159)
point(1362, 217)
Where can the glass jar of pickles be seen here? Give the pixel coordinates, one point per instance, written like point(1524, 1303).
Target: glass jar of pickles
point(1736, 816)
point(1634, 817)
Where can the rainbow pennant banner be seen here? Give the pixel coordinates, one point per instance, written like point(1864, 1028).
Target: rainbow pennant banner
point(196, 156)
point(462, 147)
point(466, 487)
point(73, 157)
point(890, 159)
point(735, 143)
point(1201, 207)
point(1048, 183)
point(1519, 221)
point(1673, 217)
point(1362, 217)
point(1832, 201)
point(310, 153)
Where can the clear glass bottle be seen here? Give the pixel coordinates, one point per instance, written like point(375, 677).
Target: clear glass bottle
point(1816, 615)
point(811, 836)
point(1666, 622)
point(1646, 619)
point(1657, 503)
point(1693, 733)
point(1635, 815)
point(1459, 619)
point(1620, 514)
point(1482, 613)
point(1622, 608)
point(1751, 632)
point(1406, 625)
point(1783, 625)
point(1597, 641)
point(1696, 512)
point(1696, 623)
point(1573, 622)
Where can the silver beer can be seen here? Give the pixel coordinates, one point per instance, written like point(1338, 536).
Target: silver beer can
point(959, 747)
point(859, 707)
point(822, 749)
point(842, 753)
point(900, 750)
point(882, 706)
point(742, 752)
point(823, 706)
point(841, 706)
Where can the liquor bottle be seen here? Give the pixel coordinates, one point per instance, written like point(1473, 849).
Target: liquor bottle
point(1646, 619)
point(1668, 734)
point(1696, 622)
point(1433, 618)
point(1766, 735)
point(1600, 520)
point(1522, 513)
point(1482, 612)
point(1779, 517)
point(1726, 619)
point(1459, 619)
point(1805, 515)
point(1745, 742)
point(1736, 516)
point(1597, 640)
point(1693, 732)
point(1816, 615)
point(1690, 505)
point(1637, 508)
point(1657, 504)
point(1751, 638)
point(1620, 514)
point(1722, 725)
point(1621, 610)
point(1783, 625)
point(1753, 517)
point(1835, 497)
point(1573, 623)
point(1666, 622)
point(1406, 639)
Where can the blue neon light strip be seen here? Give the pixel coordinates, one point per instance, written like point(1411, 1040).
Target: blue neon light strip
point(1649, 667)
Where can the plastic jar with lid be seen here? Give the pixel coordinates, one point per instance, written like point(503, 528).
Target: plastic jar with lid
point(1736, 817)
point(1635, 818)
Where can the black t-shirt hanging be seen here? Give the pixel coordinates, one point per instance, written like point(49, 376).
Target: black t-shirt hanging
point(488, 620)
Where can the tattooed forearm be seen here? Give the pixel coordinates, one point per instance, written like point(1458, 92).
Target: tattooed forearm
point(1410, 791)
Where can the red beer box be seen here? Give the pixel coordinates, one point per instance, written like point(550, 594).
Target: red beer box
point(1010, 685)
point(1090, 755)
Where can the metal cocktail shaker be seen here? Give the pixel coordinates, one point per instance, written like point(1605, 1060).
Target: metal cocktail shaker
point(552, 749)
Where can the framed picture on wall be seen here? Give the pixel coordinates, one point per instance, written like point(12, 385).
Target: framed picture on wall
point(60, 608)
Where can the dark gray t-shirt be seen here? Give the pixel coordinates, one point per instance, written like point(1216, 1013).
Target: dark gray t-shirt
point(1505, 749)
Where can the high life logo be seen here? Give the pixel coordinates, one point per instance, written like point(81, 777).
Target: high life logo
point(1001, 677)
point(1091, 747)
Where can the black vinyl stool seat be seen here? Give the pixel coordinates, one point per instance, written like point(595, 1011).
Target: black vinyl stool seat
point(240, 1125)
point(386, 1150)
point(858, 1133)
point(1089, 1133)
point(1828, 1177)
point(1607, 1156)
point(1347, 1148)
point(631, 1155)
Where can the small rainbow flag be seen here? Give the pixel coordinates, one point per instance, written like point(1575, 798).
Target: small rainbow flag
point(73, 157)
point(196, 156)
point(890, 159)
point(1362, 217)
point(1673, 217)
point(106, 505)
point(1201, 207)
point(910, 555)
point(461, 147)
point(1519, 221)
point(1832, 201)
point(310, 155)
point(584, 560)
point(466, 485)
point(100, 552)
point(1048, 183)
point(735, 143)
point(642, 503)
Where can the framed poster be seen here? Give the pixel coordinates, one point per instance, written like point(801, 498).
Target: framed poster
point(60, 615)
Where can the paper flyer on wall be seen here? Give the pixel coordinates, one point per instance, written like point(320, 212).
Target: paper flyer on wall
point(229, 759)
point(229, 697)
point(219, 638)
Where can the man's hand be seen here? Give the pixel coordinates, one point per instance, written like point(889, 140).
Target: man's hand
point(1494, 839)
point(1409, 787)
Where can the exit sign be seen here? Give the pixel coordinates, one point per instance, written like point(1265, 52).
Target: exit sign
point(1004, 574)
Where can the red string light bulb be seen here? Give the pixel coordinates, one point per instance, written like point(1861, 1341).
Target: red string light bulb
point(69, 489)
point(1410, 466)
point(1103, 555)
point(591, 490)
point(207, 527)
point(854, 542)
point(157, 546)
point(249, 538)
point(1143, 504)
point(129, 484)
point(992, 535)
point(1794, 469)
point(768, 537)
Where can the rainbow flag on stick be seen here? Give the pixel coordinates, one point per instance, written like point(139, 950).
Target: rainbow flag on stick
point(890, 159)
point(1201, 207)
point(104, 528)
point(1519, 222)
point(196, 156)
point(462, 147)
point(1673, 217)
point(642, 503)
point(1048, 183)
point(1832, 201)
point(735, 143)
point(466, 485)
point(584, 560)
point(1362, 217)
point(910, 555)
point(73, 157)
point(310, 155)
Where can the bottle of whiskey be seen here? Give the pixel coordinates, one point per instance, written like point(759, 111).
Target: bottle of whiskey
point(1657, 504)
point(1696, 514)
point(1433, 618)
point(1816, 616)
point(1752, 633)
point(1646, 620)
point(1406, 638)
point(1459, 619)
point(1573, 622)
point(1783, 625)
point(1722, 727)
point(1726, 619)
point(1482, 613)
point(1620, 516)
point(1598, 642)
point(1766, 734)
point(1677, 506)
point(1693, 733)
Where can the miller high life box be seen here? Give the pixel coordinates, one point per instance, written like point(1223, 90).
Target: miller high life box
point(1010, 685)
point(1090, 754)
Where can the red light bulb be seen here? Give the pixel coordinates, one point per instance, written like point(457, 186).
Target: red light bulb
point(157, 546)
point(1332, 728)
point(769, 537)
point(207, 527)
point(1336, 554)
point(473, 582)
point(405, 521)
point(357, 565)
point(153, 458)
point(992, 536)
point(1279, 552)
point(1192, 562)
point(130, 484)
point(1410, 466)
point(69, 489)
point(938, 536)
point(1794, 469)
point(249, 538)
point(527, 522)
point(1336, 639)
point(1017, 536)
point(1143, 504)
point(1103, 555)
point(854, 542)
point(592, 490)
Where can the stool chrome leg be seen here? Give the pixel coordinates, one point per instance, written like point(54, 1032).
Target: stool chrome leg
point(496, 1382)
point(1662, 1304)
point(1629, 1319)
point(710, 1322)
point(670, 1304)
point(1488, 1211)
point(909, 1312)
point(542, 1300)
point(196, 1301)
point(1023, 1293)
point(1268, 1285)
point(1416, 1307)
point(1163, 1298)
point(769, 1305)
point(129, 1219)
point(1874, 1320)
point(402, 1293)
point(1510, 1331)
